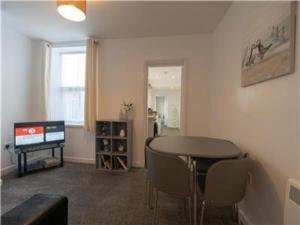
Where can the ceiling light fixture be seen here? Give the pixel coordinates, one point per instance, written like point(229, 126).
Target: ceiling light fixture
point(72, 10)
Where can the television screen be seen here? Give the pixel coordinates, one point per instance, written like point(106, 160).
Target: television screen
point(34, 133)
point(55, 133)
point(29, 135)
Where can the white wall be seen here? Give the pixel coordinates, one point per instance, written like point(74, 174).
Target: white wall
point(80, 145)
point(173, 101)
point(1, 29)
point(21, 86)
point(123, 77)
point(261, 119)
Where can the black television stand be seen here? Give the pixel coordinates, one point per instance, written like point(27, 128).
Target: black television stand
point(26, 168)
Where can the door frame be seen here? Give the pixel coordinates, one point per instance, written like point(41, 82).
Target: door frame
point(183, 98)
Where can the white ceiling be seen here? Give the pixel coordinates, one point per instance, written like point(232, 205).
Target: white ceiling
point(165, 77)
point(115, 19)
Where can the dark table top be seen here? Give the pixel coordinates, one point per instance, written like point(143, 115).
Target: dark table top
point(201, 147)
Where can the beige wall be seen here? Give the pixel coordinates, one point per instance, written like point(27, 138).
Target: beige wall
point(123, 78)
point(262, 119)
point(1, 29)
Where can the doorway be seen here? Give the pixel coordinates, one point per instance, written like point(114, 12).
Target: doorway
point(161, 108)
point(164, 100)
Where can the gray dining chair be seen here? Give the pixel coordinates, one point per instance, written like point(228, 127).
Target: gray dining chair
point(149, 191)
point(169, 174)
point(225, 183)
point(203, 164)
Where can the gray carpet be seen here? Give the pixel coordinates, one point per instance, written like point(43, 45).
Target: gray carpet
point(102, 198)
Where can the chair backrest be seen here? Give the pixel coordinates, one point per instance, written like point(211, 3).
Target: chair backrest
point(167, 173)
point(226, 182)
point(147, 143)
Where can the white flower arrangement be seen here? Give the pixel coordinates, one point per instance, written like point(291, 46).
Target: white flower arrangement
point(127, 106)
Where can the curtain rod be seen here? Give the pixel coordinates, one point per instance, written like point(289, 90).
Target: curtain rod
point(68, 43)
point(71, 43)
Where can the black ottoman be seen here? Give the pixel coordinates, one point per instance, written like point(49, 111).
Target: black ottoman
point(40, 209)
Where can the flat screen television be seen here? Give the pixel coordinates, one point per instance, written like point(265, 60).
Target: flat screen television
point(38, 133)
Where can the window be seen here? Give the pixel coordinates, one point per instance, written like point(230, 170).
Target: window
point(72, 87)
point(67, 85)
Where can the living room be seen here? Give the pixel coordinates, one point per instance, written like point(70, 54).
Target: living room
point(89, 79)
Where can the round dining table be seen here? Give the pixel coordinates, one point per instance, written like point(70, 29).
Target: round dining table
point(196, 148)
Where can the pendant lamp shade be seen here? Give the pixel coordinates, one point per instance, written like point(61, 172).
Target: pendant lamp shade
point(72, 10)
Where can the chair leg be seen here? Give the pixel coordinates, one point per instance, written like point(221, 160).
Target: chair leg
point(150, 195)
point(239, 220)
point(146, 192)
point(195, 209)
point(156, 208)
point(235, 213)
point(185, 207)
point(190, 210)
point(195, 198)
point(202, 213)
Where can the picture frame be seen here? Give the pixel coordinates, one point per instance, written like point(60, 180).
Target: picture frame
point(270, 52)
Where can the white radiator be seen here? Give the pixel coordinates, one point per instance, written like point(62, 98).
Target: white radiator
point(292, 203)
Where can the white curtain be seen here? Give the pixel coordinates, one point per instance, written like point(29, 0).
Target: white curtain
point(46, 65)
point(91, 84)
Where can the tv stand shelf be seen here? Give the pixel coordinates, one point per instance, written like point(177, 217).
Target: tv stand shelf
point(37, 166)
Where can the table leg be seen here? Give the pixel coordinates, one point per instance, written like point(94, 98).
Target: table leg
point(53, 152)
point(25, 161)
point(61, 156)
point(20, 164)
point(195, 190)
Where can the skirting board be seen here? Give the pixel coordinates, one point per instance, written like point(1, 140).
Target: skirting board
point(79, 160)
point(92, 161)
point(12, 168)
point(8, 169)
point(138, 164)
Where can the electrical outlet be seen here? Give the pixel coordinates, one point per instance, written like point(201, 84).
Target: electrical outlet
point(8, 145)
point(250, 178)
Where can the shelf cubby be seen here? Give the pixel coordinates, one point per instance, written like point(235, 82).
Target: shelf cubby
point(104, 144)
point(117, 126)
point(119, 163)
point(103, 129)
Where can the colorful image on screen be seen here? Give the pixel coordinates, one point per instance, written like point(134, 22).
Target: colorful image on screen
point(55, 133)
point(29, 135)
